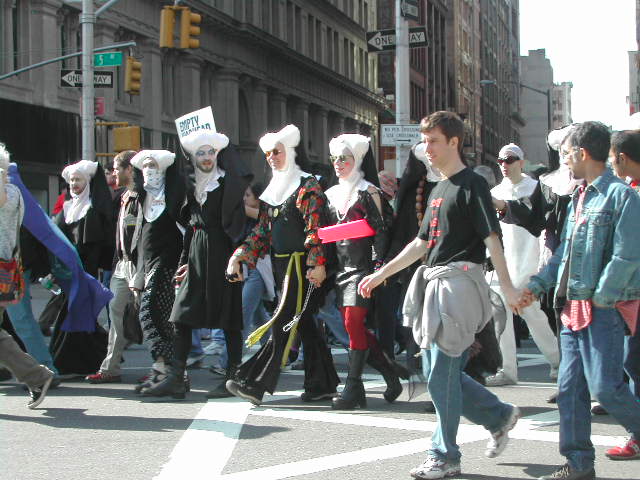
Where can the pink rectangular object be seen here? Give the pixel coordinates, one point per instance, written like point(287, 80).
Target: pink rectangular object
point(346, 231)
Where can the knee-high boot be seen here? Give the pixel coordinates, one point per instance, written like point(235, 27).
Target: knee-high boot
point(353, 394)
point(391, 371)
point(173, 385)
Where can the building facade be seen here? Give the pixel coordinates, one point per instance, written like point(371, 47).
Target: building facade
point(536, 72)
point(261, 64)
point(500, 76)
point(561, 102)
point(465, 67)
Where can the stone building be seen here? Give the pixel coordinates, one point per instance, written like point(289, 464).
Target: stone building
point(261, 64)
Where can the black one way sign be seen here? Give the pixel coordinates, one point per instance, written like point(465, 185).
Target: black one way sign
point(380, 40)
point(73, 78)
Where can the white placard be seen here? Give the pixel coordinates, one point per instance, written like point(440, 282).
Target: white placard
point(192, 122)
point(392, 135)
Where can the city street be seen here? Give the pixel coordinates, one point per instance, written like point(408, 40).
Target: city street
point(97, 432)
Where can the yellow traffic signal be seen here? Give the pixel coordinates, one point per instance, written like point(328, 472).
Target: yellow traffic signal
point(167, 21)
point(126, 138)
point(132, 76)
point(189, 28)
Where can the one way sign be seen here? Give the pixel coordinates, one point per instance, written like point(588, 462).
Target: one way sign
point(73, 78)
point(380, 40)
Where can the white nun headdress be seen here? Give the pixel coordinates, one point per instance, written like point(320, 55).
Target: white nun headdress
point(287, 180)
point(561, 180)
point(77, 207)
point(205, 181)
point(154, 180)
point(420, 152)
point(344, 194)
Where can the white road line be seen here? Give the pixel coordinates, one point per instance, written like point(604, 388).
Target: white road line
point(218, 423)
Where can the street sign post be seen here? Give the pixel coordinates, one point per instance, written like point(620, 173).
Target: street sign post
point(409, 10)
point(73, 78)
point(107, 59)
point(392, 135)
point(380, 40)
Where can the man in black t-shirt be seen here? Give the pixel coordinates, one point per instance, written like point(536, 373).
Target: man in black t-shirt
point(447, 302)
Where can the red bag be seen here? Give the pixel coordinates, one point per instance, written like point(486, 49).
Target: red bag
point(346, 231)
point(11, 282)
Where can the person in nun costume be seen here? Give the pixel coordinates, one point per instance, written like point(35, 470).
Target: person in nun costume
point(418, 179)
point(160, 246)
point(292, 208)
point(214, 207)
point(357, 197)
point(86, 221)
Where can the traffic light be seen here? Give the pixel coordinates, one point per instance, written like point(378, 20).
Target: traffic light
point(167, 21)
point(126, 138)
point(189, 29)
point(132, 76)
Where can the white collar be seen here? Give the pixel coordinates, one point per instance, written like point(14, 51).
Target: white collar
point(284, 182)
point(77, 207)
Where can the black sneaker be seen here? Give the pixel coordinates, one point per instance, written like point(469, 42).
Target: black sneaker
point(244, 391)
point(565, 472)
point(37, 394)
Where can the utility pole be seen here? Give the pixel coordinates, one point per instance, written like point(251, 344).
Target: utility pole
point(403, 112)
point(87, 20)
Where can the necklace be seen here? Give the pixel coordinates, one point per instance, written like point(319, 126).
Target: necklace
point(420, 199)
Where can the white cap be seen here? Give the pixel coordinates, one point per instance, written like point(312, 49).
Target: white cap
point(511, 150)
point(195, 140)
point(289, 136)
point(164, 158)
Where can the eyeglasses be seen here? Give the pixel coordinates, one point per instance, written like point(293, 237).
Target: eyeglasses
point(273, 152)
point(508, 160)
point(340, 158)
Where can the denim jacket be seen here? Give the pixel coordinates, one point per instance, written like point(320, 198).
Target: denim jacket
point(605, 263)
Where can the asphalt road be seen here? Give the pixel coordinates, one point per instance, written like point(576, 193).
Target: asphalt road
point(97, 432)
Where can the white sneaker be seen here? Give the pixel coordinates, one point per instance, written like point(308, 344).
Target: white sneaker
point(499, 379)
point(434, 467)
point(553, 373)
point(500, 438)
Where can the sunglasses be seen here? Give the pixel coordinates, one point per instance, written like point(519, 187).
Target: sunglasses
point(273, 152)
point(340, 158)
point(508, 160)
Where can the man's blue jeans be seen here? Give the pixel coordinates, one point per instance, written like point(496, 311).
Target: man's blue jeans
point(253, 312)
point(454, 393)
point(632, 361)
point(27, 328)
point(332, 318)
point(592, 363)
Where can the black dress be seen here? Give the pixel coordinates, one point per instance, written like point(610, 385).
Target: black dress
point(358, 257)
point(289, 232)
point(80, 352)
point(161, 244)
point(205, 299)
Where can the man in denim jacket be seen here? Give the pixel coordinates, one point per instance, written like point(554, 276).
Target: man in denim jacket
point(596, 272)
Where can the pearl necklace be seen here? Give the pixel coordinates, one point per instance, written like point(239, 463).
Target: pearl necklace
point(420, 199)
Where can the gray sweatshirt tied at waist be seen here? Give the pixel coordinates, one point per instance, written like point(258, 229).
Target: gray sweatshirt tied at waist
point(447, 305)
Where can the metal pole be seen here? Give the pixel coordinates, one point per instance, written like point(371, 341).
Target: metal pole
point(549, 112)
point(87, 20)
point(105, 7)
point(64, 57)
point(403, 112)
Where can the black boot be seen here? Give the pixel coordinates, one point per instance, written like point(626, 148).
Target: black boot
point(352, 395)
point(220, 390)
point(173, 385)
point(391, 371)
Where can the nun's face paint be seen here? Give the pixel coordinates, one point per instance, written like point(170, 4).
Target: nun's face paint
point(205, 158)
point(77, 183)
point(343, 163)
point(277, 158)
